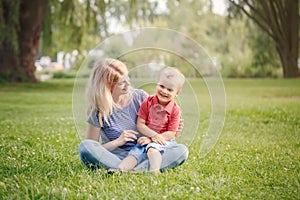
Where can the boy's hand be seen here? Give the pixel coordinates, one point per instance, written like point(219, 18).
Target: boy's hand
point(158, 138)
point(143, 141)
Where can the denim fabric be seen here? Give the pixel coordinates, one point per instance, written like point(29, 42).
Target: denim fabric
point(140, 152)
point(160, 147)
point(94, 155)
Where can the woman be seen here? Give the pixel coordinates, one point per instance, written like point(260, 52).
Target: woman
point(113, 107)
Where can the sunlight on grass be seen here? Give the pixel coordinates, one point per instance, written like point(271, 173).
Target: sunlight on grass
point(256, 157)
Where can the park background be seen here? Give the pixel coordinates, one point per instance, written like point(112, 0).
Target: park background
point(257, 155)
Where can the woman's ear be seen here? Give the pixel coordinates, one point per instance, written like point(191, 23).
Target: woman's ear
point(112, 88)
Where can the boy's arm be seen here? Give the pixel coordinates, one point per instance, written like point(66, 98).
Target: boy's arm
point(143, 128)
point(168, 135)
point(146, 131)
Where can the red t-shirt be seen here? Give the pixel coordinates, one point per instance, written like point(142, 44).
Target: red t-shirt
point(160, 118)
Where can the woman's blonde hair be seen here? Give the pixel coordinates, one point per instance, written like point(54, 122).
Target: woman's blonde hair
point(106, 73)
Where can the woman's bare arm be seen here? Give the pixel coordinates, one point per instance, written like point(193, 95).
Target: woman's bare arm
point(93, 133)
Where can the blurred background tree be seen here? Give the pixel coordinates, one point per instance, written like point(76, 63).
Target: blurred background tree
point(65, 25)
point(279, 19)
point(238, 45)
point(21, 23)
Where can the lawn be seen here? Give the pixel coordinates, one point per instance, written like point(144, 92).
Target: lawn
point(256, 157)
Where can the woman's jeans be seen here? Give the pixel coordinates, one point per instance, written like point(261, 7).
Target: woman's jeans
point(94, 155)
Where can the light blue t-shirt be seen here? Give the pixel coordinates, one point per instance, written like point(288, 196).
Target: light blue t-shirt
point(120, 120)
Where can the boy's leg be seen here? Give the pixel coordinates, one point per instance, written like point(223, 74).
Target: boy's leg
point(128, 163)
point(172, 156)
point(155, 160)
point(134, 157)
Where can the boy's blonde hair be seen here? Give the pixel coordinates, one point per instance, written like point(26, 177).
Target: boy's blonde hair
point(173, 74)
point(106, 73)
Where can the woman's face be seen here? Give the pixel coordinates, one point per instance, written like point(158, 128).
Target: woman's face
point(122, 86)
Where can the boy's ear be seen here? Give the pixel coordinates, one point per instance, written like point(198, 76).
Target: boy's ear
point(178, 91)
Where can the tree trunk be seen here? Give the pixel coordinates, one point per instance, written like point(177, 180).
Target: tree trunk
point(290, 68)
point(32, 14)
point(288, 49)
point(289, 61)
point(17, 64)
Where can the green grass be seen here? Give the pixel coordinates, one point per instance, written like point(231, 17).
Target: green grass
point(256, 157)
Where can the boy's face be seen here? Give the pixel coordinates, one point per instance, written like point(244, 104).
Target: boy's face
point(166, 90)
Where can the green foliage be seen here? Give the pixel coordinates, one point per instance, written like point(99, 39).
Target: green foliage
point(257, 156)
point(81, 25)
point(46, 38)
point(235, 43)
point(65, 75)
point(65, 26)
point(238, 46)
point(263, 49)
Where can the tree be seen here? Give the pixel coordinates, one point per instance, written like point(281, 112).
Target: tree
point(280, 20)
point(22, 22)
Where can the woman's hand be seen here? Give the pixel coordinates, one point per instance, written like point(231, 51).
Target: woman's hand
point(143, 141)
point(159, 139)
point(127, 136)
